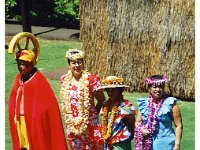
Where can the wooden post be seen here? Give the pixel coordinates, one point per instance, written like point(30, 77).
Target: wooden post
point(25, 15)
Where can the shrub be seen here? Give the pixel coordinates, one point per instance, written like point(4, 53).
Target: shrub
point(62, 13)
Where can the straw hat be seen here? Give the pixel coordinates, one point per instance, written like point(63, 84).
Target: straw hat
point(112, 82)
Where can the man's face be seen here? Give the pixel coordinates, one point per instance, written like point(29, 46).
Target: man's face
point(24, 67)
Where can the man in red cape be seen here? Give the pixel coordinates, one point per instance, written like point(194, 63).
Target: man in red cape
point(34, 116)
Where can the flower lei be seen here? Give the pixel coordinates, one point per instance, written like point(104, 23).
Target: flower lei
point(143, 142)
point(107, 127)
point(79, 124)
point(161, 81)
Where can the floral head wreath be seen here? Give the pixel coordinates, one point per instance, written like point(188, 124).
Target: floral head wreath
point(74, 54)
point(160, 81)
point(112, 82)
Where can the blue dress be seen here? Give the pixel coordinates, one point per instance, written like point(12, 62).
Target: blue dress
point(163, 136)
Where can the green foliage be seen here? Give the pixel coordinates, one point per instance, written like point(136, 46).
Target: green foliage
point(10, 4)
point(9, 8)
point(67, 7)
point(55, 13)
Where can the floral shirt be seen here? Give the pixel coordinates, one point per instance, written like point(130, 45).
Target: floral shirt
point(92, 139)
point(120, 132)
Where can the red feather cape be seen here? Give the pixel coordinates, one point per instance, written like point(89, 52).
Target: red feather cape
point(42, 115)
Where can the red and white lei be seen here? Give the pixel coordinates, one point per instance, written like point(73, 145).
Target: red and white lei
point(79, 124)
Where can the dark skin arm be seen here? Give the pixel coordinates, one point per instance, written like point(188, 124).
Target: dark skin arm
point(176, 117)
point(129, 120)
point(138, 120)
point(99, 95)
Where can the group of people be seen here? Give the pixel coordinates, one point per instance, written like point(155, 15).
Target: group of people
point(36, 122)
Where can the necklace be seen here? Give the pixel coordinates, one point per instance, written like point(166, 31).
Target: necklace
point(152, 122)
point(152, 114)
point(107, 127)
point(77, 125)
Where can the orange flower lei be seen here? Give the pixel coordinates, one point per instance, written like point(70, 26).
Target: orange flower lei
point(77, 125)
point(105, 125)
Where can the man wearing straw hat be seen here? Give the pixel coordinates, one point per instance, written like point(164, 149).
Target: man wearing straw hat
point(34, 115)
point(118, 115)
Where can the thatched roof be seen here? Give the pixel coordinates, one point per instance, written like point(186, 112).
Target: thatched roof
point(136, 39)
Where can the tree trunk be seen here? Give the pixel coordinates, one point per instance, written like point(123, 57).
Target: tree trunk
point(25, 15)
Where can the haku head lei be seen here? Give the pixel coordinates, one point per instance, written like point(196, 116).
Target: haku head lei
point(75, 54)
point(156, 79)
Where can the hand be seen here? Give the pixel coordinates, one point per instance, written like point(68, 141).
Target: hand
point(176, 147)
point(124, 121)
point(145, 132)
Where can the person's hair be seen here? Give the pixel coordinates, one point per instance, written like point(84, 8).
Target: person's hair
point(68, 60)
point(156, 77)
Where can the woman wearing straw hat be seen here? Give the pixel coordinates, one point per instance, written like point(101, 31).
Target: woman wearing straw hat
point(78, 90)
point(153, 129)
point(118, 116)
point(34, 115)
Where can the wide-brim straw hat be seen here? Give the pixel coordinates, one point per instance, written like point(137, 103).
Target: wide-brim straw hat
point(112, 82)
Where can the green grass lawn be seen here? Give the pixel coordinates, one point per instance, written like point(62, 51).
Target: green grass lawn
point(52, 56)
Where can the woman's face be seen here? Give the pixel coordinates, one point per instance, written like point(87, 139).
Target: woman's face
point(156, 91)
point(76, 66)
point(113, 93)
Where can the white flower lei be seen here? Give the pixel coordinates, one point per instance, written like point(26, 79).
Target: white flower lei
point(79, 124)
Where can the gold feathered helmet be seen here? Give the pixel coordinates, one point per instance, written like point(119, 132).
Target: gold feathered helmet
point(25, 53)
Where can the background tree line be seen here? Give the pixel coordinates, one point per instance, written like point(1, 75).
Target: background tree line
point(60, 13)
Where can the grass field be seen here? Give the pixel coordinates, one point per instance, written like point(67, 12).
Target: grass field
point(53, 56)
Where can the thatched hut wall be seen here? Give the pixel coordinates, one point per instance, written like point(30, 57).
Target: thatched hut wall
point(136, 39)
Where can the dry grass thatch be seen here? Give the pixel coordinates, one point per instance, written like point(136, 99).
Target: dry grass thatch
point(136, 39)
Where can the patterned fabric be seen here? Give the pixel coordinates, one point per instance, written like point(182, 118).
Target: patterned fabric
point(122, 146)
point(91, 140)
point(163, 136)
point(120, 132)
